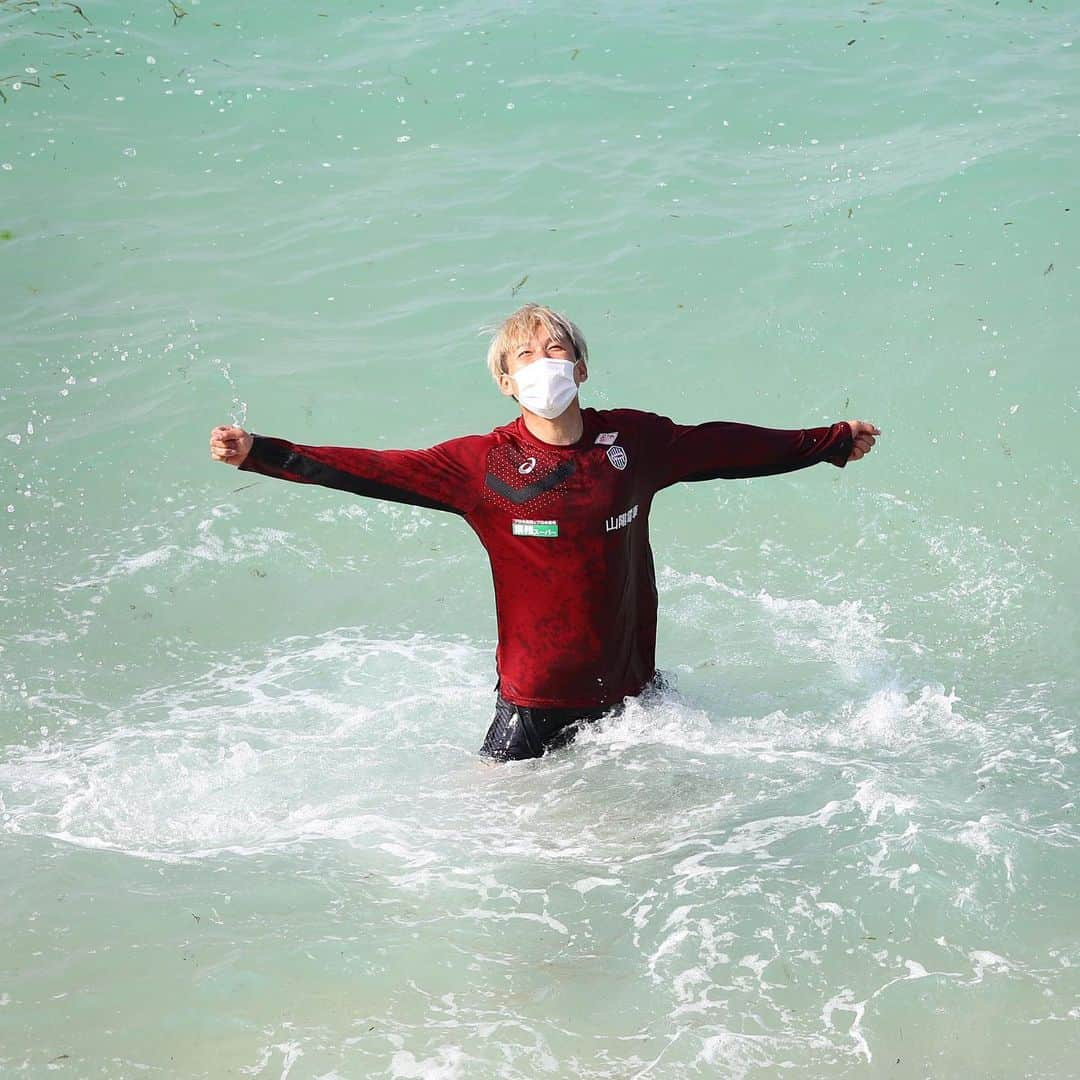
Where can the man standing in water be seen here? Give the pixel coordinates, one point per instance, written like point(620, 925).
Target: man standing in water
point(560, 499)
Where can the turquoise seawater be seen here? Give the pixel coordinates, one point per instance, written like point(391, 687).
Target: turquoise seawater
point(243, 828)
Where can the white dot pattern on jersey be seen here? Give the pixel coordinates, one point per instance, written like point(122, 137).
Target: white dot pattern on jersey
point(504, 462)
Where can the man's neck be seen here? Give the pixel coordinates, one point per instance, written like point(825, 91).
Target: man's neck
point(564, 430)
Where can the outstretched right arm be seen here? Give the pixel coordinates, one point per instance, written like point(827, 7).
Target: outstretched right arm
point(447, 476)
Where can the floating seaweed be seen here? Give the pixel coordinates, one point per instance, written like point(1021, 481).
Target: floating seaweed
point(21, 81)
point(75, 7)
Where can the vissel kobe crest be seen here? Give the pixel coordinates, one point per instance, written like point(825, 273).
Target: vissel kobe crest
point(617, 456)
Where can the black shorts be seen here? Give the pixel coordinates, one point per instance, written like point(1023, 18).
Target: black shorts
point(520, 732)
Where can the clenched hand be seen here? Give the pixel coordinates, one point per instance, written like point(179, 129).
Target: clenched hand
point(230, 444)
point(863, 435)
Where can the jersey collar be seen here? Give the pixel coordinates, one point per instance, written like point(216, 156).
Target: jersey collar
point(588, 433)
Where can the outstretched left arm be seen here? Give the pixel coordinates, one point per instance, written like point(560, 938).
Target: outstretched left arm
point(725, 450)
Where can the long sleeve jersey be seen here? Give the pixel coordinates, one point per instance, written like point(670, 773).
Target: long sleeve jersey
point(566, 528)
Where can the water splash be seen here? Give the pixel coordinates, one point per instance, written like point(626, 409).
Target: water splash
point(238, 408)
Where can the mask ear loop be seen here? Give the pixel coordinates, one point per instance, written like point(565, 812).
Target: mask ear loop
point(502, 364)
point(577, 358)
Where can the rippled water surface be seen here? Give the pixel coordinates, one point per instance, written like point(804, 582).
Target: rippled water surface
point(243, 826)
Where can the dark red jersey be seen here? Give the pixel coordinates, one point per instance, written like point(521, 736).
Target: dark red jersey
point(566, 528)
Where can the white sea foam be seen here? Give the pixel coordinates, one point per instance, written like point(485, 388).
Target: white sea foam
point(232, 762)
point(843, 633)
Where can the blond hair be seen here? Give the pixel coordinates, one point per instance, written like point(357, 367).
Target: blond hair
point(519, 328)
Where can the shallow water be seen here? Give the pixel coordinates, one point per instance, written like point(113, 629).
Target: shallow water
point(243, 827)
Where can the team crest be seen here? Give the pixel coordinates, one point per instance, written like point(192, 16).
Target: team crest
point(617, 456)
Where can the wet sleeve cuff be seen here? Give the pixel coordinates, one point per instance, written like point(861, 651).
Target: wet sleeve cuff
point(844, 444)
point(258, 454)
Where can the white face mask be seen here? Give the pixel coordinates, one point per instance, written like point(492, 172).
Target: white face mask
point(546, 386)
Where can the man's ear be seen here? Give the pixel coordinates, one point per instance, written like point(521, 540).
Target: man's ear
point(581, 372)
point(506, 385)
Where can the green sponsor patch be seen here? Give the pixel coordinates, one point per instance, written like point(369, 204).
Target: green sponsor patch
point(535, 528)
